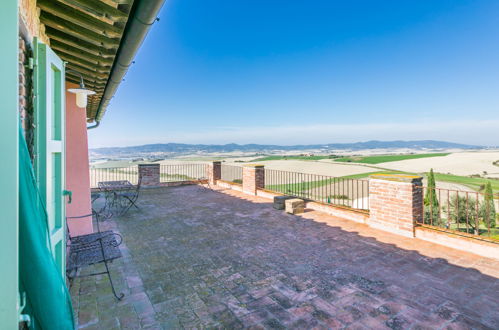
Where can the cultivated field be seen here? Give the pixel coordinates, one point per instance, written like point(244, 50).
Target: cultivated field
point(460, 163)
point(452, 169)
point(386, 158)
point(314, 167)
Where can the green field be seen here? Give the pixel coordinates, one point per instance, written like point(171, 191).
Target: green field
point(299, 186)
point(366, 175)
point(386, 158)
point(473, 183)
point(476, 184)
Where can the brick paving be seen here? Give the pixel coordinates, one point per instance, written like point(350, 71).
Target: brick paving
point(195, 258)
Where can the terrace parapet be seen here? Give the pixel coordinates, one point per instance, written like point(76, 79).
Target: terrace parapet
point(214, 172)
point(253, 178)
point(395, 203)
point(149, 175)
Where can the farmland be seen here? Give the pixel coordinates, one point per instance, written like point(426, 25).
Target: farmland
point(386, 158)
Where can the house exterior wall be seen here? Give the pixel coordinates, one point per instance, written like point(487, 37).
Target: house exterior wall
point(77, 166)
point(30, 25)
point(26, 93)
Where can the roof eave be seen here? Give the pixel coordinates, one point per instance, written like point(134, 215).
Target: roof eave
point(142, 16)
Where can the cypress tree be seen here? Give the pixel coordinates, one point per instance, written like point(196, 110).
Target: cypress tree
point(488, 208)
point(431, 201)
point(431, 196)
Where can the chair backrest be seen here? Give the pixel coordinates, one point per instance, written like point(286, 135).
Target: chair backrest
point(68, 232)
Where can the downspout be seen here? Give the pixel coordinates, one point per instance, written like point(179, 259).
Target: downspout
point(97, 123)
point(144, 14)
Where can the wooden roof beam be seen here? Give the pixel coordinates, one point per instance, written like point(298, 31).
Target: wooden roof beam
point(118, 2)
point(91, 66)
point(99, 10)
point(77, 31)
point(98, 60)
point(88, 79)
point(65, 39)
point(77, 17)
point(86, 72)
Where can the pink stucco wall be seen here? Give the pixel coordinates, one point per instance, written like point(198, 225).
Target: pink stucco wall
point(77, 167)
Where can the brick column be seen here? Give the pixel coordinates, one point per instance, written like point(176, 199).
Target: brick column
point(395, 203)
point(253, 178)
point(214, 172)
point(149, 174)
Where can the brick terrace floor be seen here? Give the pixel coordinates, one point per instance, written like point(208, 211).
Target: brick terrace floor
point(195, 258)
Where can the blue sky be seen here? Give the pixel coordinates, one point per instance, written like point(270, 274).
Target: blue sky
point(299, 72)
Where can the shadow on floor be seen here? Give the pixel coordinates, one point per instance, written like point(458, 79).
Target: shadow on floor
point(197, 258)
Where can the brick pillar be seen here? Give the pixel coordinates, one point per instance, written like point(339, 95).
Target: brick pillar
point(214, 172)
point(149, 174)
point(395, 203)
point(253, 178)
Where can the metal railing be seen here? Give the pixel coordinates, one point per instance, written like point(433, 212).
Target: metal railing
point(351, 193)
point(232, 173)
point(113, 174)
point(168, 173)
point(459, 211)
point(183, 172)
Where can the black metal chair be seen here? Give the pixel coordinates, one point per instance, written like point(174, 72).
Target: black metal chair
point(90, 249)
point(128, 198)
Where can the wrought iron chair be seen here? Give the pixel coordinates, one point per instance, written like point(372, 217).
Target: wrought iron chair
point(90, 249)
point(128, 198)
point(204, 182)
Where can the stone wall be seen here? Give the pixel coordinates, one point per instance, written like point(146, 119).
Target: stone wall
point(31, 27)
point(26, 110)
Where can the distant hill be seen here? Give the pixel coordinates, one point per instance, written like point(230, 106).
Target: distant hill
point(180, 148)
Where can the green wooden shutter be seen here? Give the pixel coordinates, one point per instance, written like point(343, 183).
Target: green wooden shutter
point(49, 143)
point(9, 135)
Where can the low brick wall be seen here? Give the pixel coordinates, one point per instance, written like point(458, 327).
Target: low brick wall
point(179, 183)
point(267, 194)
point(229, 185)
point(340, 212)
point(337, 211)
point(459, 242)
point(165, 184)
point(396, 206)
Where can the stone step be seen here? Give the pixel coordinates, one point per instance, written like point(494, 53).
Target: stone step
point(279, 202)
point(295, 206)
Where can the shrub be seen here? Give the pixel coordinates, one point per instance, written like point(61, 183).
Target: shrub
point(463, 211)
point(333, 197)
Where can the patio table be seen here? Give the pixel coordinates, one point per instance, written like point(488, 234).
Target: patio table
point(115, 185)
